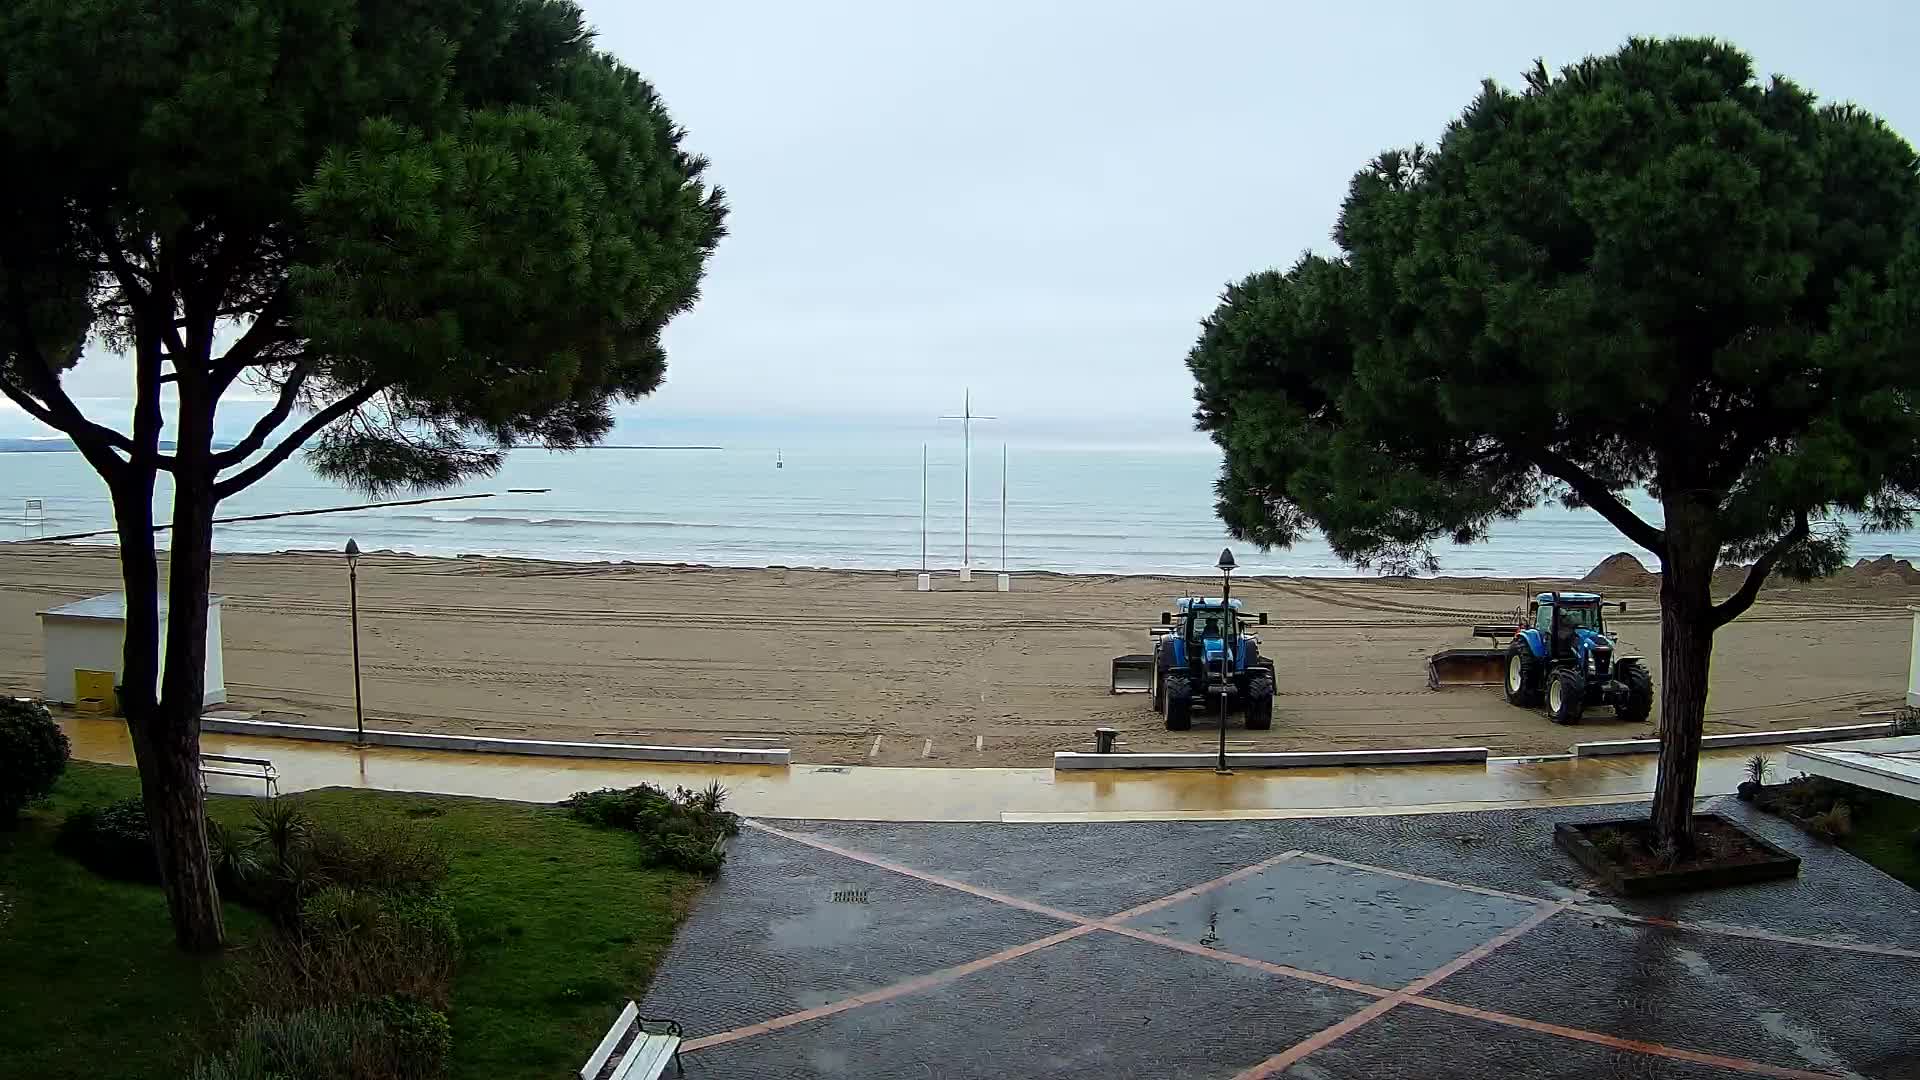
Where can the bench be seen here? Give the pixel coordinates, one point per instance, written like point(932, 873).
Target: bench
point(631, 1052)
point(247, 767)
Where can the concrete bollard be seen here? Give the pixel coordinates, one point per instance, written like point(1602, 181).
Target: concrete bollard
point(924, 583)
point(1003, 582)
point(1103, 738)
point(966, 573)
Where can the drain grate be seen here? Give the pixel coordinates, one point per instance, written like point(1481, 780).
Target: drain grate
point(850, 896)
point(832, 769)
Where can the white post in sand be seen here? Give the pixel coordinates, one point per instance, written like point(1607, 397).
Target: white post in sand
point(1913, 663)
point(1003, 581)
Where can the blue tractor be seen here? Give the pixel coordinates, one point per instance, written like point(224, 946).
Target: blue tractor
point(1202, 657)
point(1566, 658)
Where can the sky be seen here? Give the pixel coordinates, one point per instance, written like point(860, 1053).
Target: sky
point(1041, 200)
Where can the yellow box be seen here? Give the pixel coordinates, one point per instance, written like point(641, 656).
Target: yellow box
point(98, 685)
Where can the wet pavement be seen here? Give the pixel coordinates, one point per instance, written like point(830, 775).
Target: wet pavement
point(941, 794)
point(1434, 945)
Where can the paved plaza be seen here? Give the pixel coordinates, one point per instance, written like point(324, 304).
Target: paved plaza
point(1437, 945)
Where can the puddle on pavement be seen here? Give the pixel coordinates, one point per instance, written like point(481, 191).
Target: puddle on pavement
point(829, 924)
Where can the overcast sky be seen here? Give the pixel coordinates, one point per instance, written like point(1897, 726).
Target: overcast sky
point(1041, 200)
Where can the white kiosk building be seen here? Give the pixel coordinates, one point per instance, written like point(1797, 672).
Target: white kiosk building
point(88, 636)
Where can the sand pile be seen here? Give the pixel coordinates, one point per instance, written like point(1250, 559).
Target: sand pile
point(1885, 570)
point(1620, 571)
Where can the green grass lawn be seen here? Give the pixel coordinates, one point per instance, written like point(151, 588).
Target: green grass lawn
point(560, 922)
point(1886, 833)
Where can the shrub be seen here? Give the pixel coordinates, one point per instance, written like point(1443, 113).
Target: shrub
point(236, 861)
point(708, 798)
point(1610, 842)
point(350, 945)
point(687, 830)
point(280, 826)
point(1833, 824)
point(1906, 721)
point(113, 841)
point(387, 857)
point(311, 1044)
point(389, 1038)
point(33, 754)
point(613, 808)
point(416, 1039)
point(1758, 766)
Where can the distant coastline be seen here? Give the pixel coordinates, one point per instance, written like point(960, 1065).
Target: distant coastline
point(65, 446)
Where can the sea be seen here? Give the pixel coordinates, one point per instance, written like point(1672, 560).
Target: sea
point(840, 504)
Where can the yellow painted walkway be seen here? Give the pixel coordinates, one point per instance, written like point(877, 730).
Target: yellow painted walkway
point(863, 793)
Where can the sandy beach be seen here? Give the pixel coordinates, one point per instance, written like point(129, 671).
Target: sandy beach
point(857, 667)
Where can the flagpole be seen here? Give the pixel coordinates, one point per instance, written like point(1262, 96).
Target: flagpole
point(1003, 508)
point(966, 419)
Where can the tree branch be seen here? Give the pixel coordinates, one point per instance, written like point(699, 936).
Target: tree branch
point(244, 479)
point(282, 408)
point(265, 331)
point(1596, 495)
point(1734, 606)
point(138, 285)
point(54, 408)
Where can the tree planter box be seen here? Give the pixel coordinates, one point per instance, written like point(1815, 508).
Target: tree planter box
point(1764, 861)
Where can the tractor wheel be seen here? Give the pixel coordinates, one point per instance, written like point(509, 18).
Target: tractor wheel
point(1179, 704)
point(1523, 676)
point(1566, 696)
point(1159, 680)
point(1639, 702)
point(1260, 700)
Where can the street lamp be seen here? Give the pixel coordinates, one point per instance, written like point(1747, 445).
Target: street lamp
point(353, 602)
point(1226, 565)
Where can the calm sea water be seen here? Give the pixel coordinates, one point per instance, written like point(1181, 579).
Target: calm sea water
point(1076, 510)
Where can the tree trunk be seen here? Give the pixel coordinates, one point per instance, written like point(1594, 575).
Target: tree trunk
point(166, 750)
point(178, 815)
point(1686, 655)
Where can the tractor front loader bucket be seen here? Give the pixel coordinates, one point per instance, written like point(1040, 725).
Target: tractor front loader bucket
point(1133, 674)
point(1466, 667)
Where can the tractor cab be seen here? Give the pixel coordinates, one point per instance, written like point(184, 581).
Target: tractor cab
point(1206, 633)
point(1571, 625)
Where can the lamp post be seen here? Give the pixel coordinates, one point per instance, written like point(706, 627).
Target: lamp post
point(353, 606)
point(1226, 565)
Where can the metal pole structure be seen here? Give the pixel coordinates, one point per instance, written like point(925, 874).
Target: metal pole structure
point(1226, 653)
point(353, 602)
point(966, 419)
point(1003, 508)
point(923, 508)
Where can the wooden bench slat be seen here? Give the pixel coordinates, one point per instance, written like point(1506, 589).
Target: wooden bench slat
point(614, 1034)
point(647, 1058)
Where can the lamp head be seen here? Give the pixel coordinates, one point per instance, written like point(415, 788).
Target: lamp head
point(353, 550)
point(1226, 562)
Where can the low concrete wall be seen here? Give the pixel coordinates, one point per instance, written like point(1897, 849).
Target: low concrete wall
point(1472, 755)
point(417, 740)
point(1745, 738)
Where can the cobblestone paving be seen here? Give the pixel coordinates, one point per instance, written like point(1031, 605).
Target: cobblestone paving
point(1442, 945)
